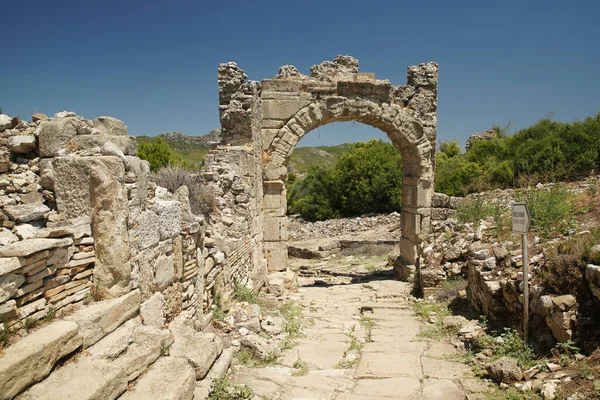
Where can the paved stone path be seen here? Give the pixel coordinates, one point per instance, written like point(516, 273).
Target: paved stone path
point(394, 364)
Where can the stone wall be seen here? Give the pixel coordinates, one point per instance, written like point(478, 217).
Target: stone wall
point(81, 221)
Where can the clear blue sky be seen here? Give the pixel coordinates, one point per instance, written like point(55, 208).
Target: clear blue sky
point(154, 64)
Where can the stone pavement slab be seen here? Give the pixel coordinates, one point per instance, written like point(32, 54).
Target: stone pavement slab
point(397, 388)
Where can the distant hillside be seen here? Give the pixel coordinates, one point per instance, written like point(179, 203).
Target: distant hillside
point(305, 157)
point(192, 149)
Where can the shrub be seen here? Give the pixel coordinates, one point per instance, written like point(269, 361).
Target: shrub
point(474, 210)
point(202, 198)
point(157, 152)
point(551, 211)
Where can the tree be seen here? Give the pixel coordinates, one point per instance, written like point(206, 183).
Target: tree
point(451, 149)
point(156, 152)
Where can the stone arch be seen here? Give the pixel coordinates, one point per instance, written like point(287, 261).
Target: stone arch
point(293, 105)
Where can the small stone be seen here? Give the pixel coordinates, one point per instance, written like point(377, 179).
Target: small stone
point(553, 367)
point(244, 331)
point(38, 117)
point(21, 144)
point(504, 370)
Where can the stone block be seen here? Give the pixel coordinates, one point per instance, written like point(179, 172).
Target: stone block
point(282, 109)
point(9, 264)
point(126, 144)
point(440, 200)
point(147, 229)
point(110, 126)
point(169, 218)
point(55, 134)
point(21, 144)
point(164, 271)
point(275, 229)
point(4, 159)
point(152, 311)
point(27, 212)
point(31, 359)
point(27, 247)
point(281, 85)
point(276, 255)
point(169, 378)
point(72, 181)
point(197, 348)
point(9, 284)
point(100, 319)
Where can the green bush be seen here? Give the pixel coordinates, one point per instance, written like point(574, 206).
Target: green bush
point(366, 179)
point(474, 210)
point(551, 211)
point(157, 152)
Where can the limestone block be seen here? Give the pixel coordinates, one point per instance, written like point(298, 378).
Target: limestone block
point(21, 144)
point(281, 85)
point(109, 214)
point(592, 274)
point(275, 229)
point(26, 247)
point(88, 379)
point(4, 159)
point(440, 200)
point(8, 265)
point(147, 230)
point(152, 311)
point(126, 144)
point(275, 286)
point(72, 181)
point(423, 74)
point(282, 109)
point(169, 378)
point(55, 134)
point(197, 348)
point(9, 284)
point(5, 122)
point(31, 359)
point(169, 218)
point(164, 271)
point(110, 126)
point(276, 256)
point(46, 174)
point(27, 212)
point(101, 318)
point(39, 117)
point(7, 237)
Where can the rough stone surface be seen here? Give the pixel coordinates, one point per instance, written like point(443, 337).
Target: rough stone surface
point(109, 215)
point(110, 126)
point(504, 370)
point(55, 134)
point(9, 284)
point(169, 378)
point(21, 144)
point(31, 359)
point(152, 311)
point(27, 212)
point(99, 319)
point(195, 347)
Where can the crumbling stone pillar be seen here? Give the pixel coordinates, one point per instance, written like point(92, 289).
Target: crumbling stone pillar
point(109, 213)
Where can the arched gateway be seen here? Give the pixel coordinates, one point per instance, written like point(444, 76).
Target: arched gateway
point(271, 119)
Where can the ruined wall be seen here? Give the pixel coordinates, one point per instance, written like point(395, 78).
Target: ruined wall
point(81, 221)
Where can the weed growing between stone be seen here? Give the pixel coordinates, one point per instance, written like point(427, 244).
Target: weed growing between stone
point(352, 355)
point(513, 394)
point(292, 314)
point(507, 344)
point(433, 313)
point(5, 333)
point(367, 323)
point(244, 293)
point(247, 358)
point(301, 368)
point(223, 389)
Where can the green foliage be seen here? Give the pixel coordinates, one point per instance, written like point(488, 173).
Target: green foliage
point(550, 210)
point(157, 152)
point(244, 293)
point(292, 314)
point(474, 210)
point(512, 393)
point(549, 151)
point(301, 368)
point(223, 389)
point(436, 331)
point(511, 345)
point(368, 178)
point(450, 149)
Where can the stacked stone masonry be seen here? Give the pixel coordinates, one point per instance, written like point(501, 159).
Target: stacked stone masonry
point(294, 104)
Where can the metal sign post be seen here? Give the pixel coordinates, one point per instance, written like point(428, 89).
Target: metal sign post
point(520, 224)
